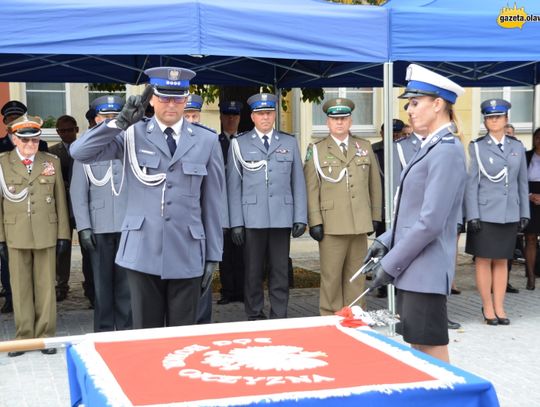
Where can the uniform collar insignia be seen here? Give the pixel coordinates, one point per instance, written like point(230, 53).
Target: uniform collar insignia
point(190, 129)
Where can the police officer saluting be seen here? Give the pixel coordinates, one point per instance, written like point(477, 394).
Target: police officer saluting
point(267, 197)
point(172, 234)
point(99, 203)
point(344, 204)
point(35, 228)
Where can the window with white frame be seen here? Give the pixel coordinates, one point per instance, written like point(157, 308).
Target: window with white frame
point(362, 116)
point(521, 98)
point(47, 100)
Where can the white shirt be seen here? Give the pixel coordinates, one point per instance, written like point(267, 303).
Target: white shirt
point(29, 167)
point(339, 142)
point(176, 128)
point(497, 141)
point(260, 134)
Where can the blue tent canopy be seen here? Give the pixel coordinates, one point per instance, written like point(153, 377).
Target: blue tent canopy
point(288, 43)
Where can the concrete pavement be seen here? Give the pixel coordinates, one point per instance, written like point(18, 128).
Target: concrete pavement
point(505, 355)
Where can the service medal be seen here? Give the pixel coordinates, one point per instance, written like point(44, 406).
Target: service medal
point(48, 168)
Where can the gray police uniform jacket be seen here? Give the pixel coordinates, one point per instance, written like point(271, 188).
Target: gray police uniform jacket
point(173, 236)
point(259, 204)
point(505, 201)
point(97, 207)
point(422, 241)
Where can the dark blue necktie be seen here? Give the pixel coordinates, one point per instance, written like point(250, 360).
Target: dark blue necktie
point(500, 146)
point(266, 144)
point(170, 140)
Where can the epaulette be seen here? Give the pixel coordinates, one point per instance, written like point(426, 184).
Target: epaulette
point(318, 141)
point(513, 137)
point(287, 134)
point(401, 139)
point(4, 153)
point(361, 139)
point(478, 139)
point(448, 140)
point(50, 154)
point(241, 134)
point(204, 127)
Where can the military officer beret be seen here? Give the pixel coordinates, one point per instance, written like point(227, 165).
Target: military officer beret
point(13, 107)
point(170, 81)
point(423, 82)
point(495, 107)
point(262, 101)
point(194, 102)
point(230, 107)
point(107, 104)
point(338, 107)
point(26, 126)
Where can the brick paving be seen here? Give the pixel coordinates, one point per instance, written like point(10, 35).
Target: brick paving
point(507, 356)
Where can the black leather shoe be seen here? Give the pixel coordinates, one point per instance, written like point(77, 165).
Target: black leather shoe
point(453, 325)
point(223, 301)
point(503, 321)
point(7, 308)
point(14, 354)
point(382, 292)
point(3, 292)
point(455, 291)
point(490, 321)
point(49, 351)
point(510, 289)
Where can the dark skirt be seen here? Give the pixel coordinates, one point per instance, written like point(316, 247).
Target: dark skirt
point(493, 241)
point(534, 224)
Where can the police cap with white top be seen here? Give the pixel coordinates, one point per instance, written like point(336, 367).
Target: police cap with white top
point(423, 82)
point(107, 104)
point(262, 101)
point(338, 107)
point(194, 102)
point(495, 107)
point(170, 81)
point(26, 126)
point(230, 107)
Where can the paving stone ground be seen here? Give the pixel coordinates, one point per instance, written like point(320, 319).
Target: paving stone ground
point(507, 356)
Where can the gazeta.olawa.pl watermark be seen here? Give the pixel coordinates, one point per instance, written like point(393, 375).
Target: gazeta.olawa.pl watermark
point(515, 17)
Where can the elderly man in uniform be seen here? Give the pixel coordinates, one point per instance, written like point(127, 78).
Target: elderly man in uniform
point(35, 229)
point(231, 269)
point(172, 234)
point(344, 204)
point(192, 111)
point(99, 201)
point(10, 111)
point(267, 197)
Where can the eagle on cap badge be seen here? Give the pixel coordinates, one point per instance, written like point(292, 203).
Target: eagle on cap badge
point(174, 74)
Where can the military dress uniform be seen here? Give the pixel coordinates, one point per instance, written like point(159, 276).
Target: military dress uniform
point(267, 195)
point(346, 209)
point(172, 227)
point(35, 216)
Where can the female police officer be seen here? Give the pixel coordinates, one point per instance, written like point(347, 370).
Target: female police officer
point(420, 249)
point(496, 205)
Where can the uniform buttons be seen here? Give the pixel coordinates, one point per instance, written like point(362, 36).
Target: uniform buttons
point(171, 169)
point(169, 186)
point(167, 218)
point(169, 202)
point(352, 196)
point(33, 212)
point(270, 170)
point(270, 195)
point(350, 175)
point(352, 185)
point(30, 184)
point(32, 202)
point(31, 193)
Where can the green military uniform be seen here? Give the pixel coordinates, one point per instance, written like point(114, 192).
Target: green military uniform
point(31, 228)
point(346, 210)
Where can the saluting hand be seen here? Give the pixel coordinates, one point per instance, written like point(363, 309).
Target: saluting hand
point(134, 109)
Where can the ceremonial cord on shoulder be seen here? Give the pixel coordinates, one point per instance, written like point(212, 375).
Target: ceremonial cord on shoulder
point(106, 178)
point(248, 166)
point(140, 174)
point(19, 197)
point(503, 174)
point(343, 173)
point(401, 155)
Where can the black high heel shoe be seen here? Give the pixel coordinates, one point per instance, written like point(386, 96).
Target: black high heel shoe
point(490, 321)
point(503, 321)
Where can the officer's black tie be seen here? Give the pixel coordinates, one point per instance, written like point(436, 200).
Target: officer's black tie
point(500, 145)
point(170, 140)
point(266, 144)
point(344, 148)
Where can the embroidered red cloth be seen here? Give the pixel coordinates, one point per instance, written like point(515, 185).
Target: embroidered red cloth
point(27, 161)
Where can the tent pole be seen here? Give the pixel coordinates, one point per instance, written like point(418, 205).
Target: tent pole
point(388, 97)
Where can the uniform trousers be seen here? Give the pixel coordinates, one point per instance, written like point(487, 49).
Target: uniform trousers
point(266, 246)
point(156, 303)
point(4, 278)
point(112, 309)
point(341, 257)
point(32, 277)
point(231, 269)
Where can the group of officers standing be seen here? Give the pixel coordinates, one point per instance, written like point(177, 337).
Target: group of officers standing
point(157, 200)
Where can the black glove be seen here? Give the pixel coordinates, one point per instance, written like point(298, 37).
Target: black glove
point(87, 239)
point(382, 278)
point(317, 232)
point(523, 222)
point(4, 252)
point(474, 225)
point(134, 109)
point(209, 268)
point(62, 246)
point(298, 229)
point(376, 225)
point(237, 235)
point(377, 250)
